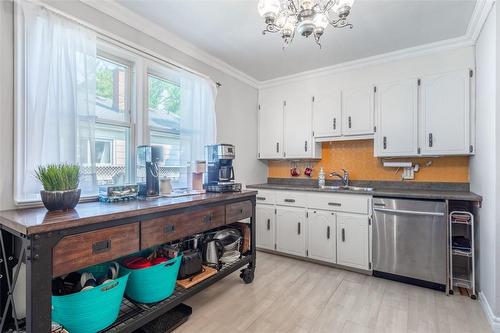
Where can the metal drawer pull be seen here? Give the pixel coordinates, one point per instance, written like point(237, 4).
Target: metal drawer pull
point(328, 232)
point(268, 224)
point(334, 124)
point(298, 228)
point(208, 218)
point(338, 204)
point(260, 198)
point(350, 122)
point(407, 212)
point(385, 142)
point(101, 246)
point(169, 228)
point(430, 140)
point(289, 200)
point(305, 145)
point(343, 234)
point(277, 147)
point(241, 211)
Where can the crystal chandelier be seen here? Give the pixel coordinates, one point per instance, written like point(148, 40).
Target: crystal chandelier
point(305, 17)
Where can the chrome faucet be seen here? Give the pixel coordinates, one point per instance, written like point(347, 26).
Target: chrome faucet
point(344, 177)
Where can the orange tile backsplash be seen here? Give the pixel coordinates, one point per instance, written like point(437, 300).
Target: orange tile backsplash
point(357, 157)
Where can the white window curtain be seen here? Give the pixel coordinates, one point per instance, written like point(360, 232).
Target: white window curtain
point(55, 111)
point(198, 121)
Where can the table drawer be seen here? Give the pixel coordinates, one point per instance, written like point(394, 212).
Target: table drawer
point(169, 228)
point(238, 211)
point(89, 248)
point(350, 203)
point(266, 197)
point(288, 198)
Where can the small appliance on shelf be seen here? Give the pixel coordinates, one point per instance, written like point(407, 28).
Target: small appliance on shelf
point(148, 170)
point(219, 175)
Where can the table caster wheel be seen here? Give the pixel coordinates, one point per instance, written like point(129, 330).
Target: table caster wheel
point(450, 292)
point(247, 275)
point(473, 297)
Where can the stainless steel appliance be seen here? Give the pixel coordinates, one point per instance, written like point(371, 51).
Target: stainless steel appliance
point(148, 170)
point(212, 251)
point(409, 241)
point(219, 175)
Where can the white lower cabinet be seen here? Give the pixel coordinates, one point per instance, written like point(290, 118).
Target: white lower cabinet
point(353, 240)
point(290, 230)
point(321, 236)
point(265, 226)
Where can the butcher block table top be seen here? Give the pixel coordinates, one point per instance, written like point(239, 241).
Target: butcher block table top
point(39, 220)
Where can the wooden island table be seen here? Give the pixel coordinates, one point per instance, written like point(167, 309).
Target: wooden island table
point(56, 243)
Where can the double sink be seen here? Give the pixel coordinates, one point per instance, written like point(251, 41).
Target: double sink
point(346, 188)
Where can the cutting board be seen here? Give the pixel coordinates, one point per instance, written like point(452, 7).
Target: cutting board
point(205, 274)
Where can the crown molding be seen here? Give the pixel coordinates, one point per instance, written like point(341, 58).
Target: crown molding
point(478, 18)
point(124, 15)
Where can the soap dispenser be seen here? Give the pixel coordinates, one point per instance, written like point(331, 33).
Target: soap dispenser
point(321, 178)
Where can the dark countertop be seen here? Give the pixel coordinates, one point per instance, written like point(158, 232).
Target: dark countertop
point(437, 194)
point(38, 220)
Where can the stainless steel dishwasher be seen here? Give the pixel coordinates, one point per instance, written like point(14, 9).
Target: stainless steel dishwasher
point(409, 241)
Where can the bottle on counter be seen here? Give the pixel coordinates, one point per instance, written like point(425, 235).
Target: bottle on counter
point(321, 178)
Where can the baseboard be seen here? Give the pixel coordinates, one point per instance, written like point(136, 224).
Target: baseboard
point(492, 319)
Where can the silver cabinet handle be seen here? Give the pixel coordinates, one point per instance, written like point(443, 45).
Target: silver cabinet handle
point(298, 228)
point(350, 121)
point(338, 204)
point(343, 234)
point(385, 142)
point(328, 232)
point(305, 145)
point(430, 140)
point(260, 198)
point(334, 124)
point(407, 212)
point(268, 224)
point(289, 200)
point(277, 147)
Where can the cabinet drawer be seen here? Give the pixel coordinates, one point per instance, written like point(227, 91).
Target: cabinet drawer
point(89, 248)
point(350, 203)
point(238, 211)
point(169, 228)
point(288, 198)
point(266, 197)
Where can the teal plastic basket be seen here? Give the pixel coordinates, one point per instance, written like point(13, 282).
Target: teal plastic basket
point(152, 284)
point(91, 310)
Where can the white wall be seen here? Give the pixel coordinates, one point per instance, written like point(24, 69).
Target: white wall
point(484, 164)
point(236, 106)
point(391, 71)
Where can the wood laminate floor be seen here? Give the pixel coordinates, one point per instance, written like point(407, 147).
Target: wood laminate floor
point(290, 295)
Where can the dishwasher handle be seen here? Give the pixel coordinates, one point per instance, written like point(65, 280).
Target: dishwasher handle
point(407, 212)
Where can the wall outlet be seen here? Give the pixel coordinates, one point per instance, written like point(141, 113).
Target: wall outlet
point(408, 173)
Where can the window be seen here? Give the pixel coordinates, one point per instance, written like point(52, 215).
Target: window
point(164, 99)
point(112, 139)
point(101, 100)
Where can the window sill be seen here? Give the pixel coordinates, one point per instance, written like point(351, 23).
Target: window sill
point(39, 203)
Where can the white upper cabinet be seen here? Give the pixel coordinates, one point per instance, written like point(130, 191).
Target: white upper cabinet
point(327, 114)
point(270, 124)
point(298, 131)
point(357, 111)
point(396, 106)
point(445, 114)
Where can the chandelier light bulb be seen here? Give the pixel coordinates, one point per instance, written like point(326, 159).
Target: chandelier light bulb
point(320, 21)
point(269, 10)
point(342, 7)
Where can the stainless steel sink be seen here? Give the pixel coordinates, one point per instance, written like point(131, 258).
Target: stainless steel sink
point(347, 188)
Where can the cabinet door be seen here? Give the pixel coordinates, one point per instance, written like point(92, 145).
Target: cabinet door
point(357, 111)
point(396, 119)
point(298, 132)
point(270, 124)
point(321, 235)
point(327, 111)
point(352, 240)
point(265, 224)
point(290, 230)
point(445, 114)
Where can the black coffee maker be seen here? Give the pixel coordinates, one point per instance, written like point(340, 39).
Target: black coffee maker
point(219, 175)
point(148, 170)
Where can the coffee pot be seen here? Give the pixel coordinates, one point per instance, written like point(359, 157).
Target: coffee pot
point(212, 252)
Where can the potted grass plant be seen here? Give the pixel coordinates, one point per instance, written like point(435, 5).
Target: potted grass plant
point(60, 185)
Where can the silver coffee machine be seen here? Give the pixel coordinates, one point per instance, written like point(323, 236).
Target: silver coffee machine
point(219, 175)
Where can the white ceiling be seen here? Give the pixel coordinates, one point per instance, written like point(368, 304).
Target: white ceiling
point(231, 30)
